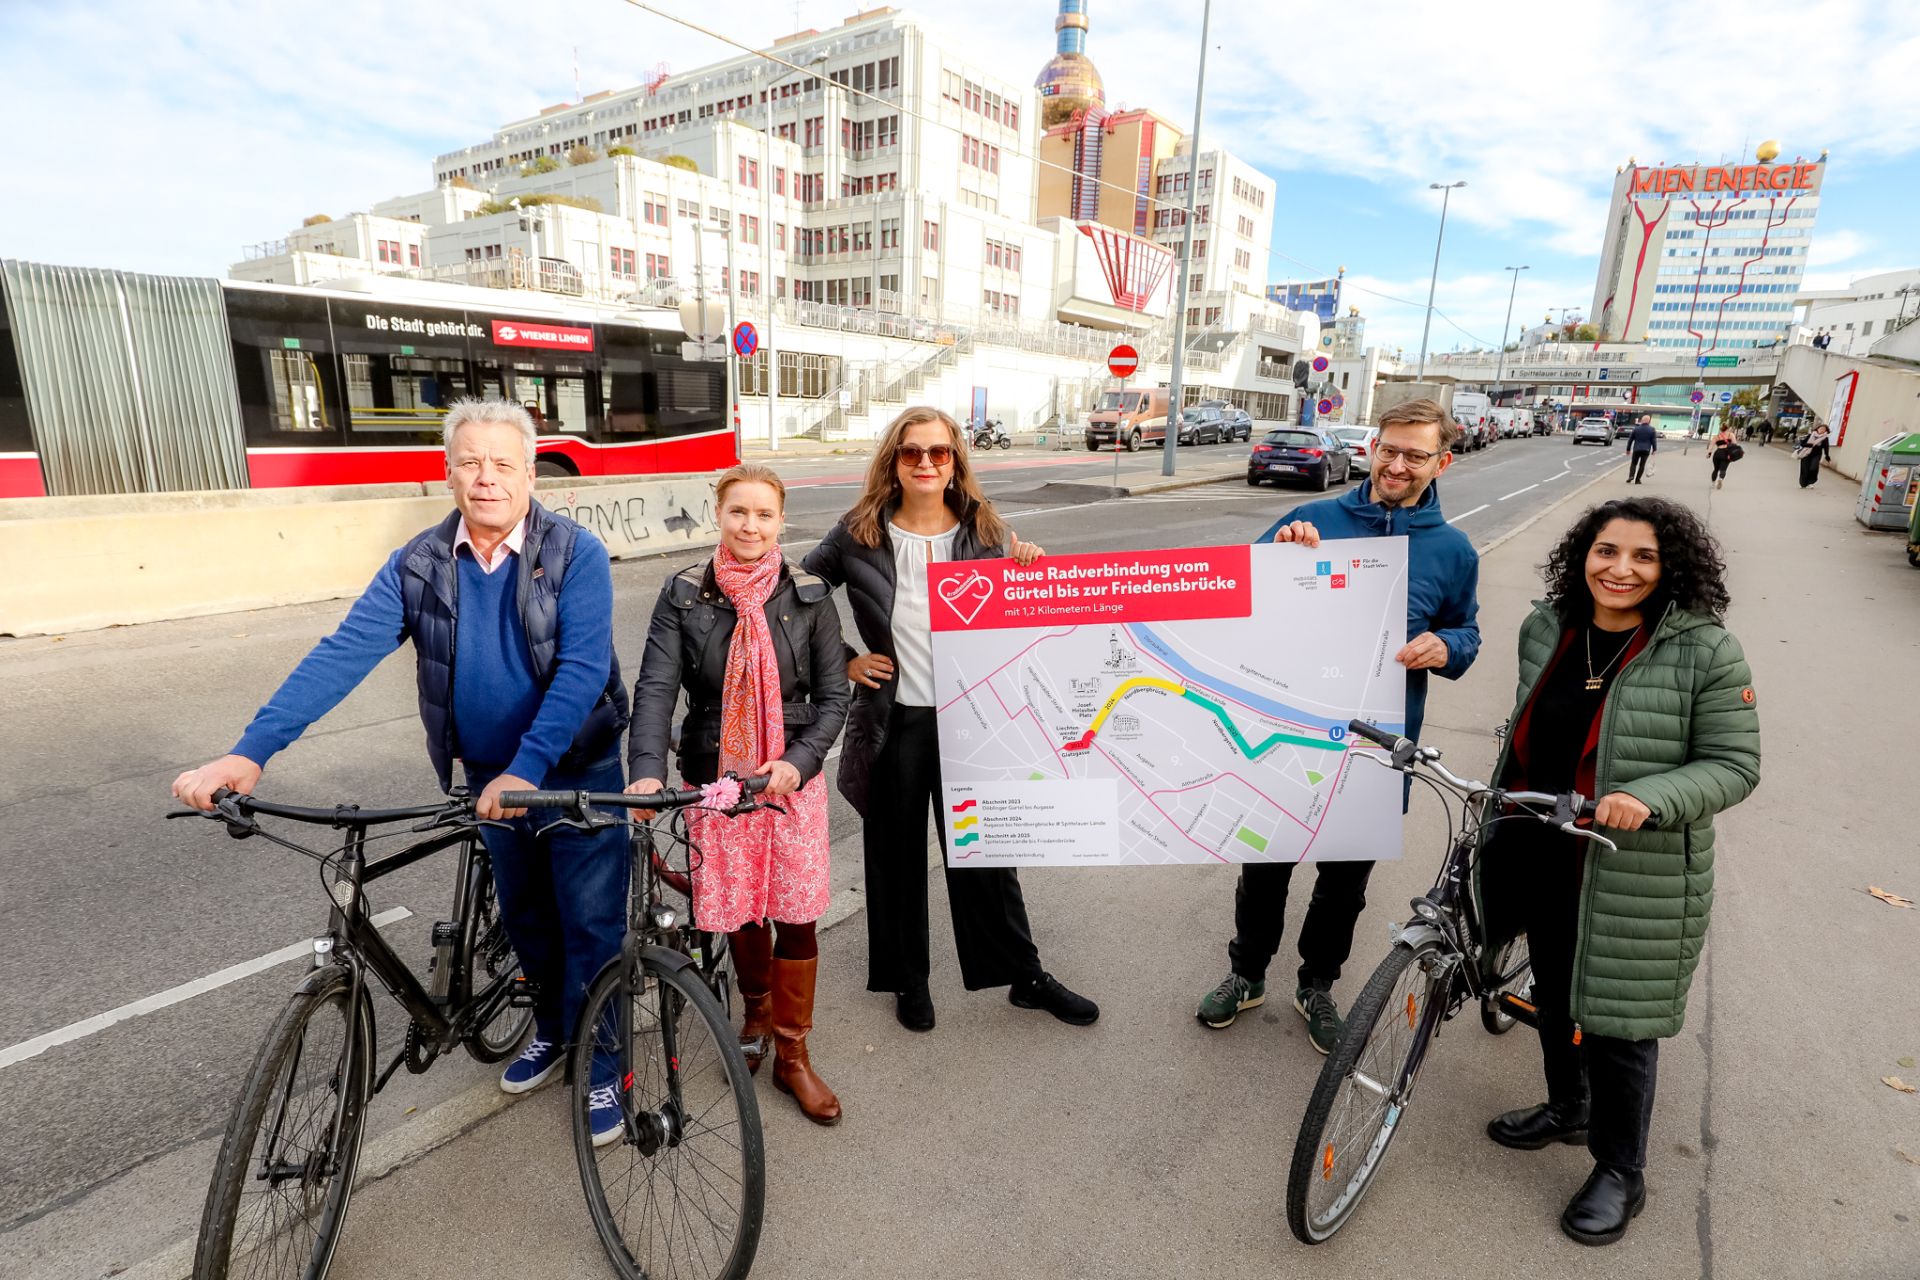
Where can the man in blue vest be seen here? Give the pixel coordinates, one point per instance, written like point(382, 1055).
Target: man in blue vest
point(510, 611)
point(1399, 498)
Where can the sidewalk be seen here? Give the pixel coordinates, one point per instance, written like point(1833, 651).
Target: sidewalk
point(1005, 1143)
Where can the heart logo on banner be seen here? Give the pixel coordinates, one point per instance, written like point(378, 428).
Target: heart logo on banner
point(967, 596)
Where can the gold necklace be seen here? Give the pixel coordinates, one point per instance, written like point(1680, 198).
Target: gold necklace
point(1598, 681)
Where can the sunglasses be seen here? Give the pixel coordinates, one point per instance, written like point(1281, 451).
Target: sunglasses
point(913, 455)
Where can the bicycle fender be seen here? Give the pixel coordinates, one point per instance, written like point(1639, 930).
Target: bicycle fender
point(1418, 933)
point(664, 957)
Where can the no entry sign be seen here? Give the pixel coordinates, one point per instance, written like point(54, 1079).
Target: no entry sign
point(1122, 361)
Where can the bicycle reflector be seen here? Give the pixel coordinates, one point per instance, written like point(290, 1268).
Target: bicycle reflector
point(1326, 1163)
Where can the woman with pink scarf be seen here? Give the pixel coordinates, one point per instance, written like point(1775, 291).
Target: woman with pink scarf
point(755, 643)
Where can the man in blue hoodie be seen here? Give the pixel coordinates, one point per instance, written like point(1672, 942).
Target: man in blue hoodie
point(1399, 497)
point(510, 611)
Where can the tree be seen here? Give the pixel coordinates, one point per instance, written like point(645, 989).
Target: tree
point(315, 219)
point(1586, 333)
point(539, 165)
point(680, 162)
point(582, 155)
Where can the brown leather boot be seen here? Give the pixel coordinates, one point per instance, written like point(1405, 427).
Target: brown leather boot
point(792, 1020)
point(753, 972)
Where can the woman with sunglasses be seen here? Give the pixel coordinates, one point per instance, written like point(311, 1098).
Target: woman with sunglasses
point(921, 504)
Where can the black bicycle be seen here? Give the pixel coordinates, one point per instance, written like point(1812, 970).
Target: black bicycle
point(1437, 965)
point(286, 1165)
point(679, 1187)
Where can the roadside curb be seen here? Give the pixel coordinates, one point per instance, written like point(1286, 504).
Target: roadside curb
point(1547, 510)
point(1165, 486)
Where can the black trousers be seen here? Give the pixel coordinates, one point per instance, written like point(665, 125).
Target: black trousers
point(1326, 935)
point(1613, 1079)
point(1637, 464)
point(1720, 464)
point(990, 929)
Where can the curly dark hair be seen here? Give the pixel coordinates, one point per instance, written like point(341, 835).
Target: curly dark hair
point(1693, 573)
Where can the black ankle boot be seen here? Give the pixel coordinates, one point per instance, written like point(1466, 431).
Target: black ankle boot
point(1532, 1128)
point(914, 1008)
point(1600, 1211)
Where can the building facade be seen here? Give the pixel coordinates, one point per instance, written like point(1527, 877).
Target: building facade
point(1706, 257)
point(1864, 312)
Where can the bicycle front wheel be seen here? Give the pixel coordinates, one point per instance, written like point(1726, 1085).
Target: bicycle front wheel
point(1364, 1088)
point(285, 1170)
point(678, 1192)
point(490, 956)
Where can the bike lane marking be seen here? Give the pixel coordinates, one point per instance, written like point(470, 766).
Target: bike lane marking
point(173, 995)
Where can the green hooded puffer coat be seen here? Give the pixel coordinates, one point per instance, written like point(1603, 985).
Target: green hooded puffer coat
point(1680, 733)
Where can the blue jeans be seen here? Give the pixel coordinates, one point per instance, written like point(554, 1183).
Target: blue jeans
point(563, 897)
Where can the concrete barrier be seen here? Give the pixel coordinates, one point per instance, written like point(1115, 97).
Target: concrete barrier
point(83, 563)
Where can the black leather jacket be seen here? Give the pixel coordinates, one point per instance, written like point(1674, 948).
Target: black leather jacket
point(687, 643)
point(867, 574)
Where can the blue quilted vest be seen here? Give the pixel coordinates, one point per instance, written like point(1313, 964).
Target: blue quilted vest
point(429, 588)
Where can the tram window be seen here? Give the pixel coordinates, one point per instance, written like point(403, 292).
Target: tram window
point(627, 388)
point(400, 393)
point(16, 434)
point(282, 365)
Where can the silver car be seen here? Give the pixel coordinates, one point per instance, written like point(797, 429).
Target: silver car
point(1595, 430)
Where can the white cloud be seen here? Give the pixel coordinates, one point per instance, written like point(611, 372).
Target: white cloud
point(1835, 245)
point(1470, 309)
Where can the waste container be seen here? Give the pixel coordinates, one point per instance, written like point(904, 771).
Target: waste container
point(1892, 482)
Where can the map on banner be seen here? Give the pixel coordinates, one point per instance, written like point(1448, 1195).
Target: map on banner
point(1183, 706)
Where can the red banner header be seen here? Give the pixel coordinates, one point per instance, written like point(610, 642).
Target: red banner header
point(1127, 586)
point(534, 333)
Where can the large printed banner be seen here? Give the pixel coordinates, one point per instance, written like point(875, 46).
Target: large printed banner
point(1170, 706)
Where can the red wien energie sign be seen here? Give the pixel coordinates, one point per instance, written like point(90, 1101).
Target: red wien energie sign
point(533, 333)
point(1745, 177)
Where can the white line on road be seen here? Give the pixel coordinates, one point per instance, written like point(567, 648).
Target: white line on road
point(1517, 492)
point(1464, 514)
point(173, 995)
point(1558, 475)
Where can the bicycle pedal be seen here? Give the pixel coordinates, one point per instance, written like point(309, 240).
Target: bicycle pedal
point(523, 993)
point(1517, 1009)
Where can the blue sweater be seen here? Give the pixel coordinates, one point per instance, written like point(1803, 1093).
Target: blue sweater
point(1443, 574)
point(501, 716)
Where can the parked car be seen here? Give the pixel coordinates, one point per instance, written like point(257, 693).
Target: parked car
point(1299, 453)
point(1202, 424)
point(1542, 422)
point(1596, 430)
point(1239, 421)
point(1359, 442)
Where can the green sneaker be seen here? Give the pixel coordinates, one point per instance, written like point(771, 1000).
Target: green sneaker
point(1224, 1003)
point(1324, 1025)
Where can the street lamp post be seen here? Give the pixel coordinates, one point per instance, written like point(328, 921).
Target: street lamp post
point(1500, 366)
point(766, 260)
point(1168, 449)
point(1446, 190)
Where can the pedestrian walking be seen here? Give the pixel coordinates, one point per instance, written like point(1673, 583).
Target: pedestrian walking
point(921, 503)
point(1642, 441)
point(1811, 452)
point(1766, 431)
point(1823, 340)
point(756, 646)
point(510, 611)
point(1725, 452)
point(1628, 679)
point(1400, 498)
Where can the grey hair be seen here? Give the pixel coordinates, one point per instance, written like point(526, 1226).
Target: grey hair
point(489, 409)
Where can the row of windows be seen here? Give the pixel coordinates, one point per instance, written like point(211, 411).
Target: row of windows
point(1255, 196)
point(979, 154)
point(1781, 308)
point(973, 98)
point(1001, 254)
point(389, 251)
point(1004, 303)
point(1178, 217)
point(1798, 214)
point(1168, 183)
point(1725, 288)
point(1725, 324)
point(871, 77)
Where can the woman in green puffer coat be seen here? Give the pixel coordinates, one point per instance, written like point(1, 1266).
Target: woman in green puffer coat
point(1630, 690)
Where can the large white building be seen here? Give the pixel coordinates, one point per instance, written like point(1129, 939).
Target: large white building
point(1706, 257)
point(1867, 310)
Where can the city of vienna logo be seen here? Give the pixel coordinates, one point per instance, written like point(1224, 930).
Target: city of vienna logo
point(967, 596)
point(508, 333)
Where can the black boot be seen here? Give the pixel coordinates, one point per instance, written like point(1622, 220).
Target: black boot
point(1600, 1211)
point(1532, 1128)
point(914, 1008)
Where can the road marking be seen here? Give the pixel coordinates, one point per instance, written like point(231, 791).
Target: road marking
point(1476, 511)
point(174, 995)
point(1558, 475)
point(1517, 492)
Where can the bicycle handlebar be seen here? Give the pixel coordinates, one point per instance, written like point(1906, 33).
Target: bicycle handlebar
point(344, 815)
point(579, 801)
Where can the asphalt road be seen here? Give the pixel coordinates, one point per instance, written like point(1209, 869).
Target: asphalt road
point(105, 904)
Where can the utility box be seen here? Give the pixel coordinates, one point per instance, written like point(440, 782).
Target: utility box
point(1892, 483)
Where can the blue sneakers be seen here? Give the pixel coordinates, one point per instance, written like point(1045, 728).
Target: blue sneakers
point(533, 1068)
point(603, 1115)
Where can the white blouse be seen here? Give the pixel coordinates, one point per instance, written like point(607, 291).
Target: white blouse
point(912, 620)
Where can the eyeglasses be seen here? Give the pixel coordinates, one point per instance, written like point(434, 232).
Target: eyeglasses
point(913, 455)
point(1391, 453)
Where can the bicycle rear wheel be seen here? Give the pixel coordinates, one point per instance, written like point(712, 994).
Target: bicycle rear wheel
point(680, 1193)
point(1512, 975)
point(285, 1170)
point(490, 956)
point(1364, 1088)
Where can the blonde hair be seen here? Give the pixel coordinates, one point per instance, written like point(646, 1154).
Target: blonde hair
point(750, 473)
point(864, 519)
point(1423, 413)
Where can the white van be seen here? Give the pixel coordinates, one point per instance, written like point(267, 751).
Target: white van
point(1470, 409)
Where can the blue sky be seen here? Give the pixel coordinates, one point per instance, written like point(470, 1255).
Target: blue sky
point(166, 136)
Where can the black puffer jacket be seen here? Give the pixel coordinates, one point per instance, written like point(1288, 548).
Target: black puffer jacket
point(687, 642)
point(867, 574)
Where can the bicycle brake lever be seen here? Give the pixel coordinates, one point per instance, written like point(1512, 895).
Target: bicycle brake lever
point(578, 824)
